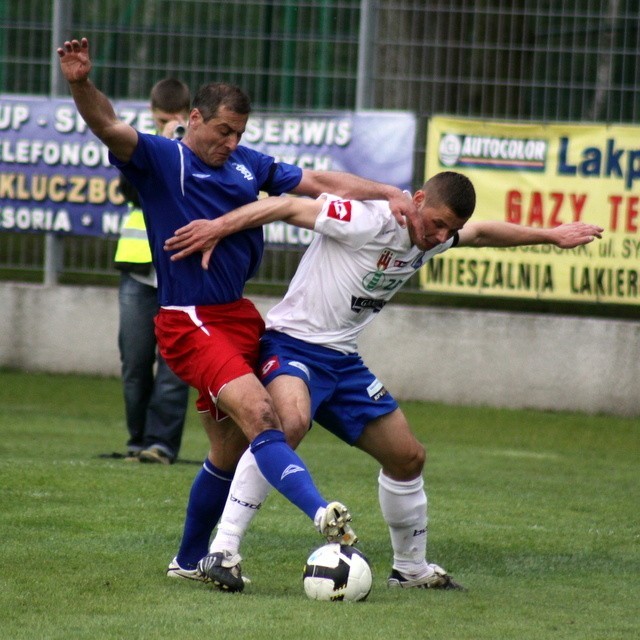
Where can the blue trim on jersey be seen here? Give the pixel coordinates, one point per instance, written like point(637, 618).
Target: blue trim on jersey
point(176, 187)
point(344, 393)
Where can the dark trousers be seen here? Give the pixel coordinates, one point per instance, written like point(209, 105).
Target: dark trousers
point(155, 398)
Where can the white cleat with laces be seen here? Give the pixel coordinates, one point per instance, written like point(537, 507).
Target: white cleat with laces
point(176, 571)
point(333, 524)
point(435, 578)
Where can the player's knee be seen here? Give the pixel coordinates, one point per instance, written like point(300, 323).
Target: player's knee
point(295, 428)
point(415, 465)
point(295, 417)
point(420, 456)
point(264, 415)
point(410, 464)
point(256, 416)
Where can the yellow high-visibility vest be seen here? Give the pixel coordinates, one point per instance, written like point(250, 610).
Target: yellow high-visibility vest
point(133, 245)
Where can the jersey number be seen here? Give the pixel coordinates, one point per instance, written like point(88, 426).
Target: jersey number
point(391, 284)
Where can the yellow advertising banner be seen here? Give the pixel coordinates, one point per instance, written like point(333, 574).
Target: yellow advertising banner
point(543, 175)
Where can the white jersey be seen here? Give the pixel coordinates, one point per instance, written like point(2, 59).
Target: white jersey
point(357, 261)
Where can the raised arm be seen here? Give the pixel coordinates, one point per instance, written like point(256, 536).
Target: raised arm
point(505, 234)
point(352, 187)
point(92, 104)
point(204, 235)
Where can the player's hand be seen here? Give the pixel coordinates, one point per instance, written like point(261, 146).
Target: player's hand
point(403, 208)
point(199, 235)
point(75, 62)
point(574, 234)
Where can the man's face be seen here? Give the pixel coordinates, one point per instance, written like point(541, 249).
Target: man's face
point(214, 141)
point(440, 223)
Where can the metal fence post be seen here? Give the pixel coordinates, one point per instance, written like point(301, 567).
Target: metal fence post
point(60, 19)
point(364, 83)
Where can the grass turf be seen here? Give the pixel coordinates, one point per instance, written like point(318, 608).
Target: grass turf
point(534, 512)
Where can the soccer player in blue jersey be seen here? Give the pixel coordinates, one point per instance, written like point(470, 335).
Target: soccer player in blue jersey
point(207, 331)
point(309, 357)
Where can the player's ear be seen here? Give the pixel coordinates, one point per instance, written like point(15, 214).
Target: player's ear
point(418, 197)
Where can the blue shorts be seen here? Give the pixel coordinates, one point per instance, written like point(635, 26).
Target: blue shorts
point(345, 395)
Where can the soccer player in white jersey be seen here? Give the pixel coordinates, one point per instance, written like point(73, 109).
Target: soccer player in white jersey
point(309, 360)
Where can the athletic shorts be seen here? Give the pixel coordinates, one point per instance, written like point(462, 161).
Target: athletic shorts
point(208, 346)
point(345, 395)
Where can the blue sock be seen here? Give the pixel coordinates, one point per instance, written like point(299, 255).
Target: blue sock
point(285, 471)
point(207, 498)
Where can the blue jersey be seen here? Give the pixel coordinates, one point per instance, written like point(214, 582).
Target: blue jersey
point(176, 187)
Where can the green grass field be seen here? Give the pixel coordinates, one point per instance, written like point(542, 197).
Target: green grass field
point(535, 512)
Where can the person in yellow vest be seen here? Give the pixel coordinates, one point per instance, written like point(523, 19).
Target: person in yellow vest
point(155, 398)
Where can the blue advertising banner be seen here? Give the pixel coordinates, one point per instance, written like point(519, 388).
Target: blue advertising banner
point(55, 174)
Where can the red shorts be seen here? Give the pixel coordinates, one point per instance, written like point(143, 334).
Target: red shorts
point(210, 345)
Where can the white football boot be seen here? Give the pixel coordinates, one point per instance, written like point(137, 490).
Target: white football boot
point(435, 578)
point(333, 524)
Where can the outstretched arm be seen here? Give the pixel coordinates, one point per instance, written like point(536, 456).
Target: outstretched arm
point(92, 104)
point(352, 187)
point(505, 234)
point(204, 235)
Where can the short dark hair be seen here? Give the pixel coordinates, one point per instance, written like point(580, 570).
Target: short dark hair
point(453, 190)
point(171, 95)
point(210, 97)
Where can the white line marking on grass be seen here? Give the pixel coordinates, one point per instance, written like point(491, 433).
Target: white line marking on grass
point(515, 453)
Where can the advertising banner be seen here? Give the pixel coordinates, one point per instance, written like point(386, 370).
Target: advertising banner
point(543, 175)
point(55, 174)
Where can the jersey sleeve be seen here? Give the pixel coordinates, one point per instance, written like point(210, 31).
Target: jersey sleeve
point(352, 222)
point(152, 152)
point(282, 178)
point(273, 177)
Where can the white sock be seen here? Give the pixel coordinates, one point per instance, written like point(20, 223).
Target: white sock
point(317, 519)
point(248, 491)
point(404, 508)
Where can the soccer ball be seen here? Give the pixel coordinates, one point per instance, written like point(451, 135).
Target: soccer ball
point(337, 572)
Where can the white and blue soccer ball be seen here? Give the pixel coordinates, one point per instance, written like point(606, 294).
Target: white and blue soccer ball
point(337, 572)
